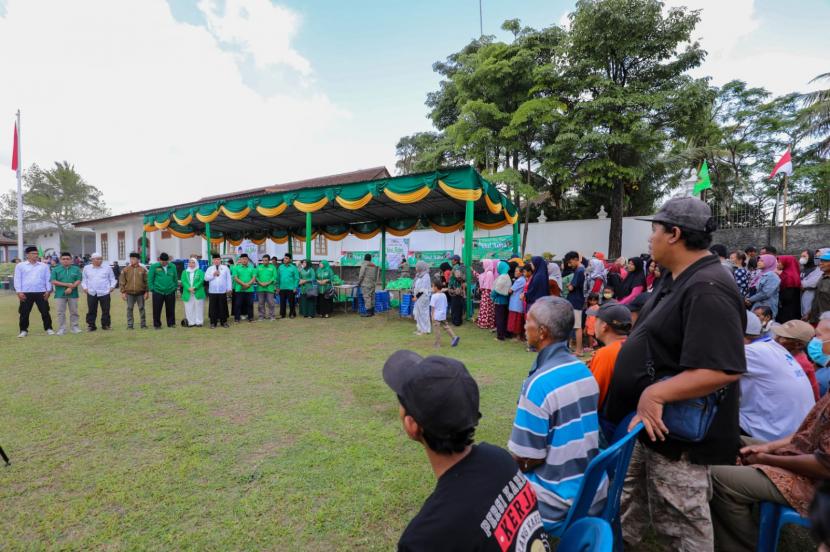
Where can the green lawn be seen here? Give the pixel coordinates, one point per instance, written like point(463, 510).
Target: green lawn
point(274, 435)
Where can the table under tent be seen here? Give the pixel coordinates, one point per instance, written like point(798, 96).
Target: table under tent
point(446, 201)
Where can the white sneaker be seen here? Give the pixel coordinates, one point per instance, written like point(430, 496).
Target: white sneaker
point(22, 334)
point(50, 332)
point(76, 330)
point(61, 332)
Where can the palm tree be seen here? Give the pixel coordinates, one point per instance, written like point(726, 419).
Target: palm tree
point(817, 114)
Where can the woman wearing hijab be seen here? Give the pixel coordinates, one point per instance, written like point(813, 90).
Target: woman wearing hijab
point(614, 280)
point(421, 289)
point(789, 294)
point(538, 286)
point(766, 285)
point(515, 307)
point(554, 279)
point(325, 305)
point(193, 294)
point(457, 291)
point(501, 298)
point(634, 284)
point(810, 276)
point(308, 290)
point(446, 272)
point(594, 277)
point(486, 315)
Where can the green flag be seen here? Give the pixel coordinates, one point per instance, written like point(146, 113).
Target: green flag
point(703, 181)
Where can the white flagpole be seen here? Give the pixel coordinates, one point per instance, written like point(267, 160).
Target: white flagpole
point(19, 190)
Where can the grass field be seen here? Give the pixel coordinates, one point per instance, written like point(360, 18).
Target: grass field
point(274, 435)
point(267, 436)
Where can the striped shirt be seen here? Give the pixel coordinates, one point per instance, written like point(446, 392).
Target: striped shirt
point(556, 420)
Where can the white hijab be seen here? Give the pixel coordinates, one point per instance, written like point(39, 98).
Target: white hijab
point(195, 268)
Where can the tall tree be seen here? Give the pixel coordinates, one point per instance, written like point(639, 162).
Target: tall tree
point(57, 196)
point(817, 114)
point(624, 76)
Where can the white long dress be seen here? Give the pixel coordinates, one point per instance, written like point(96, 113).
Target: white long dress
point(420, 311)
point(194, 311)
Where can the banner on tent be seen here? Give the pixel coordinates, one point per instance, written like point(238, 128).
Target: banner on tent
point(354, 258)
point(494, 247)
point(249, 247)
point(432, 258)
point(397, 250)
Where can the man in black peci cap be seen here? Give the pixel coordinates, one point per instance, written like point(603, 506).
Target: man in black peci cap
point(482, 501)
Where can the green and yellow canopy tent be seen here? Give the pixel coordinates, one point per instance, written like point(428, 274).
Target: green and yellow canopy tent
point(446, 200)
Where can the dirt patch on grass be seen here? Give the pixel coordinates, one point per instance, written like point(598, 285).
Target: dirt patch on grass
point(270, 449)
point(235, 416)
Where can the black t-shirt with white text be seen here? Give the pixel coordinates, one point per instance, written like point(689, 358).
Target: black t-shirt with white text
point(482, 503)
point(696, 321)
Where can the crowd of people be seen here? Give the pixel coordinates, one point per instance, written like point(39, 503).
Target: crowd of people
point(689, 328)
point(243, 284)
point(649, 339)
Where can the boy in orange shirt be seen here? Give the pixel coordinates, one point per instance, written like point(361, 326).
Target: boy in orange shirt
point(612, 328)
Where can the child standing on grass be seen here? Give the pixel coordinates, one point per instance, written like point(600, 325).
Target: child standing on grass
point(438, 303)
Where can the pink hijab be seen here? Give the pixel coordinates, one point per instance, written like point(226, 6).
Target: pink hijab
point(488, 277)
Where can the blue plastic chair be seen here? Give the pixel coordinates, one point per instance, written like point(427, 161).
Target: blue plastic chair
point(613, 463)
point(773, 517)
point(589, 534)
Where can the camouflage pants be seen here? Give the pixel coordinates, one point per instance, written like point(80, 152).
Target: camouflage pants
point(671, 496)
point(368, 297)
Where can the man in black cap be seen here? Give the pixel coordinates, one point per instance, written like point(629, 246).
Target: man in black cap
point(687, 344)
point(612, 328)
point(482, 501)
point(33, 284)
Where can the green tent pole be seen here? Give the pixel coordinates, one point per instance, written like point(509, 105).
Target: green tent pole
point(290, 244)
point(207, 233)
point(308, 238)
point(383, 257)
point(516, 238)
point(225, 246)
point(144, 248)
point(469, 224)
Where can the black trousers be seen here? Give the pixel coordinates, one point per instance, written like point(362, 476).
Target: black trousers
point(324, 306)
point(217, 308)
point(501, 321)
point(92, 302)
point(243, 303)
point(169, 302)
point(25, 308)
point(457, 309)
point(288, 297)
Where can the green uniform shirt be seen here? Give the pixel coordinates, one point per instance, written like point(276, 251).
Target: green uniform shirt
point(289, 276)
point(266, 274)
point(198, 284)
point(163, 280)
point(68, 275)
point(245, 274)
point(309, 276)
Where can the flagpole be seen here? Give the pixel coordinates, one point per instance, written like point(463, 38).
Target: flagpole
point(19, 190)
point(784, 222)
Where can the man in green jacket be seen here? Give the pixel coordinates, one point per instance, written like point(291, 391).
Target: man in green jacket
point(266, 280)
point(163, 281)
point(66, 278)
point(243, 275)
point(289, 279)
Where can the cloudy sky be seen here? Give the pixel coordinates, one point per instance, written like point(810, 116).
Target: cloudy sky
point(164, 101)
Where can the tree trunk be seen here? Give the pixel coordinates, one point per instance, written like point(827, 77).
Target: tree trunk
point(527, 213)
point(615, 231)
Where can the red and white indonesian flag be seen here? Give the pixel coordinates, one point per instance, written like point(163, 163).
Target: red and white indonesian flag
point(784, 165)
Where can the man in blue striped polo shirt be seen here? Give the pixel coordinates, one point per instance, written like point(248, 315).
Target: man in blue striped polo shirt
point(556, 430)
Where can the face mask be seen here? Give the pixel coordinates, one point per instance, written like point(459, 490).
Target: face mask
point(802, 261)
point(608, 295)
point(816, 351)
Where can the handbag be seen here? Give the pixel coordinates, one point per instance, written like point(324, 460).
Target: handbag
point(312, 291)
point(691, 419)
point(329, 293)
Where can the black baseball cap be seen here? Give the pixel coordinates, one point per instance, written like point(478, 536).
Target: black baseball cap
point(686, 212)
point(615, 315)
point(437, 391)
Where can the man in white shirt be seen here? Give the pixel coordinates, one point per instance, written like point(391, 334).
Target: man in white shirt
point(776, 394)
point(98, 282)
point(218, 277)
point(32, 282)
